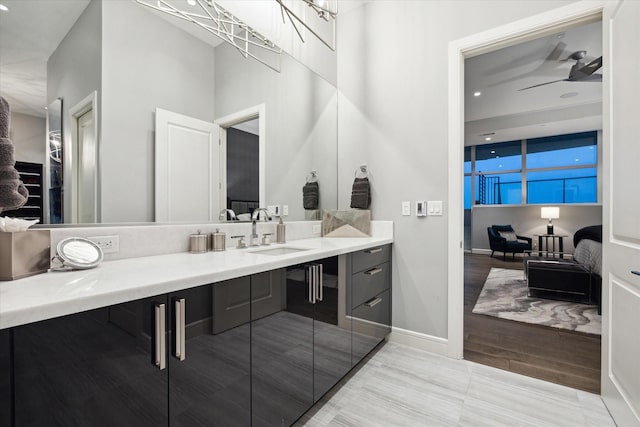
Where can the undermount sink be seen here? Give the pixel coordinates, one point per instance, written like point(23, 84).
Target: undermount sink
point(282, 250)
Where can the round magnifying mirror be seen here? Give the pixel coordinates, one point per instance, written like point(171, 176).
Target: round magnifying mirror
point(78, 253)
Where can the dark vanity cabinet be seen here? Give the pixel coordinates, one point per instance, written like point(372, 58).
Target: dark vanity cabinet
point(6, 378)
point(209, 371)
point(368, 275)
point(257, 350)
point(150, 362)
point(102, 367)
point(301, 351)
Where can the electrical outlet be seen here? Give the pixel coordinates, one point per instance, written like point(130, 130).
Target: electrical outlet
point(285, 210)
point(316, 229)
point(108, 244)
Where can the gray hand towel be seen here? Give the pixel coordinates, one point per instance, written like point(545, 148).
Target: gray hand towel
point(311, 195)
point(361, 193)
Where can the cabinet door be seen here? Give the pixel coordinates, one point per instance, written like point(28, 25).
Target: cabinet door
point(282, 350)
point(6, 380)
point(96, 368)
point(331, 328)
point(210, 373)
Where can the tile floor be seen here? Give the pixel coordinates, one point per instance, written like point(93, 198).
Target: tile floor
point(404, 386)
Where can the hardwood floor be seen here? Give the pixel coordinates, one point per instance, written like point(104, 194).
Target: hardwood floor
point(555, 355)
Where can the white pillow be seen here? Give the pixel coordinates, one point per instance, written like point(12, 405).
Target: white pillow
point(509, 235)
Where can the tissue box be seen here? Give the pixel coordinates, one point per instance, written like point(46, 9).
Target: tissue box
point(24, 253)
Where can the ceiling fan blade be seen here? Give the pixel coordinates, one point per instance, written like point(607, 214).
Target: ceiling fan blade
point(542, 84)
point(591, 67)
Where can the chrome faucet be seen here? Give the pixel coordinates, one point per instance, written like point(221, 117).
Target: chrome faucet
point(253, 238)
point(232, 215)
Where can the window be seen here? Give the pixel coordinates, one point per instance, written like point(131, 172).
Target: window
point(556, 169)
point(506, 156)
point(562, 169)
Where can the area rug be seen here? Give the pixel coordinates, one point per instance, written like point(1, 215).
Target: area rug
point(504, 295)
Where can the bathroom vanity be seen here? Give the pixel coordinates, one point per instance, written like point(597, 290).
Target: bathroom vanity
point(222, 338)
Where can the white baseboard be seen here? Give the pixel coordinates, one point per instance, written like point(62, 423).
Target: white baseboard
point(425, 342)
point(481, 251)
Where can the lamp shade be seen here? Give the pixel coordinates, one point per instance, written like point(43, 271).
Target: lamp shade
point(550, 212)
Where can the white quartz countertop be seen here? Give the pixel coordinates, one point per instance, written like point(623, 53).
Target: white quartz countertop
point(55, 294)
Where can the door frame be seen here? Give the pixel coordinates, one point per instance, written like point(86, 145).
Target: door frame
point(90, 103)
point(505, 35)
point(259, 112)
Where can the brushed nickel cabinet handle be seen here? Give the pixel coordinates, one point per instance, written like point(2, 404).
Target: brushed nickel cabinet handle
point(310, 284)
point(160, 358)
point(179, 308)
point(373, 302)
point(373, 271)
point(319, 281)
point(373, 251)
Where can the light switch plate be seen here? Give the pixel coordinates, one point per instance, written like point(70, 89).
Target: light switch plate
point(406, 208)
point(434, 208)
point(421, 208)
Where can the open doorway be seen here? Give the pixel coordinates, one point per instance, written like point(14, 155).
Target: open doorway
point(242, 169)
point(533, 124)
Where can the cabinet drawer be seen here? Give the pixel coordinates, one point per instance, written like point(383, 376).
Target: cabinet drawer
point(376, 310)
point(369, 283)
point(371, 257)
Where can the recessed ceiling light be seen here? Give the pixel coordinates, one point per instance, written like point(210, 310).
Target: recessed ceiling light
point(493, 151)
point(477, 94)
point(4, 8)
point(191, 2)
point(569, 95)
point(488, 138)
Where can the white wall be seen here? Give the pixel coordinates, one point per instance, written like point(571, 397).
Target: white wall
point(28, 134)
point(74, 72)
point(301, 114)
point(392, 78)
point(526, 221)
point(146, 63)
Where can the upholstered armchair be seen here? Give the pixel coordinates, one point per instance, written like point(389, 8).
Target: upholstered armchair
point(503, 238)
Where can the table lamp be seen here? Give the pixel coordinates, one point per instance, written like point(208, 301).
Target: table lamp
point(550, 212)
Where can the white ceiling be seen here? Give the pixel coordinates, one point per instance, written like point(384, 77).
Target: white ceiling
point(32, 30)
point(508, 113)
point(29, 33)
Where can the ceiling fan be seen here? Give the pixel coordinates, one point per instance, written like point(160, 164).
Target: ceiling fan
point(580, 72)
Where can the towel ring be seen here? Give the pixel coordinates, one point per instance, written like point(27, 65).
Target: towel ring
point(363, 170)
point(313, 176)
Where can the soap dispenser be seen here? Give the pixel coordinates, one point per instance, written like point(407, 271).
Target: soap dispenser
point(281, 232)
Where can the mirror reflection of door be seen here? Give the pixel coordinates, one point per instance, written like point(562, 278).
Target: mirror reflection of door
point(187, 159)
point(86, 168)
point(243, 177)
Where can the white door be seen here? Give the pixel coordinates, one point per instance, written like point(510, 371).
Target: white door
point(187, 168)
point(621, 238)
point(87, 164)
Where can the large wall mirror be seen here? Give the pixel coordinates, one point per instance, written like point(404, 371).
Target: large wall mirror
point(151, 111)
